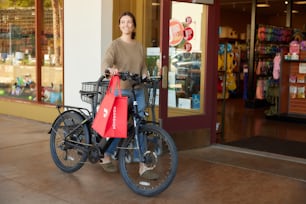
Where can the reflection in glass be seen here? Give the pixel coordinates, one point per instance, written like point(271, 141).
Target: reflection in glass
point(18, 68)
point(52, 68)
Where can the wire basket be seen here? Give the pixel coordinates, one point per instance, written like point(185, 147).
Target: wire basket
point(93, 91)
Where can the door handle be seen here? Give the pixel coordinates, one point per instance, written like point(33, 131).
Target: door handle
point(165, 77)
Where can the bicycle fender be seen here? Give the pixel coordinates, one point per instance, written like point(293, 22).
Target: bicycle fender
point(60, 115)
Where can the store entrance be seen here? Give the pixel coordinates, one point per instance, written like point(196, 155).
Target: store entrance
point(180, 38)
point(185, 97)
point(254, 120)
point(248, 128)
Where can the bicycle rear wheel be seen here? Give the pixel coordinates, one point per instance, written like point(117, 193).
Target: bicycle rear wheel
point(66, 151)
point(160, 156)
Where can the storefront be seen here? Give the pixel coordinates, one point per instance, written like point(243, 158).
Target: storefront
point(180, 37)
point(188, 100)
point(31, 66)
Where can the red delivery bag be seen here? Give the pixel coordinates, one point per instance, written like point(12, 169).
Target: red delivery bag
point(117, 123)
point(111, 118)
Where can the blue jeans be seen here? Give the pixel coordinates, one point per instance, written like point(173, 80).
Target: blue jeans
point(140, 98)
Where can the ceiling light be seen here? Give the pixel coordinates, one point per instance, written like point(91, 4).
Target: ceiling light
point(299, 2)
point(263, 5)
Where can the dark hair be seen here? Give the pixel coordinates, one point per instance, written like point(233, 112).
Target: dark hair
point(127, 13)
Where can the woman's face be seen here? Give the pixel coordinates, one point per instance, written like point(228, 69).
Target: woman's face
point(126, 25)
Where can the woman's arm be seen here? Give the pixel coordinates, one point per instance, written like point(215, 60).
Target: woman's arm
point(108, 60)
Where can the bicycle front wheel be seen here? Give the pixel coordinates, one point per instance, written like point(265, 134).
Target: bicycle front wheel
point(67, 137)
point(160, 157)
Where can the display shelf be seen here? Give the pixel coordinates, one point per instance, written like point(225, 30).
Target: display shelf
point(292, 60)
point(270, 41)
point(295, 118)
point(291, 102)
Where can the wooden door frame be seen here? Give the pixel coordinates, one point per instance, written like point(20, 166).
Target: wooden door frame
point(207, 120)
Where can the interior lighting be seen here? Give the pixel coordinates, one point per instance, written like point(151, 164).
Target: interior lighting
point(263, 4)
point(155, 4)
point(293, 11)
point(300, 2)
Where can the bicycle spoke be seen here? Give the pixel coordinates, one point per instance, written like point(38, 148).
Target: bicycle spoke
point(65, 153)
point(160, 159)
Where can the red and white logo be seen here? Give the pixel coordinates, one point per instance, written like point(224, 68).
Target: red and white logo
point(188, 33)
point(188, 46)
point(176, 34)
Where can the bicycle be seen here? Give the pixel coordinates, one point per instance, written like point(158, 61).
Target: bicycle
point(73, 141)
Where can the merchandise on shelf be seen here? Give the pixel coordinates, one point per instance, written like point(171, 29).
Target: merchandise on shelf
point(271, 41)
point(230, 56)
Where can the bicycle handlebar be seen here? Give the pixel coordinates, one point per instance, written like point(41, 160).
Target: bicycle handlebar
point(134, 77)
point(137, 78)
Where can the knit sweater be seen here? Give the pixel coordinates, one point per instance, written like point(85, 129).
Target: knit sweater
point(126, 57)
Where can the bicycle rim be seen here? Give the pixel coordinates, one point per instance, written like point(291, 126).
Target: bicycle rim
point(67, 157)
point(161, 158)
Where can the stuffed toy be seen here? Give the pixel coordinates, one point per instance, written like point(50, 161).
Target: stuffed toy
point(220, 62)
point(220, 85)
point(231, 62)
point(231, 82)
point(303, 45)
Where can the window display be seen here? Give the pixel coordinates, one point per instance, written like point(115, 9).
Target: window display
point(22, 77)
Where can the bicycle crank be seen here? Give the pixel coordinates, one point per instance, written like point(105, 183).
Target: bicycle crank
point(93, 154)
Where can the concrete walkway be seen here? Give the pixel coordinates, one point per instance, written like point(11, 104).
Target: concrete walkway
point(213, 175)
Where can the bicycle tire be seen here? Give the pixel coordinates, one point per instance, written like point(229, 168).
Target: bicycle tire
point(163, 162)
point(66, 157)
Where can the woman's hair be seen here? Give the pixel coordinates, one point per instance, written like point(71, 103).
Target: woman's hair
point(127, 13)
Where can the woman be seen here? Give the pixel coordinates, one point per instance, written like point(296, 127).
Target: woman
point(125, 54)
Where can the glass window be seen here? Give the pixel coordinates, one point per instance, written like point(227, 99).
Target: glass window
point(19, 71)
point(17, 67)
point(187, 45)
point(52, 52)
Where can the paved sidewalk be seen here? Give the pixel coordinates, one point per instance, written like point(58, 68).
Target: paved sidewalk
point(213, 175)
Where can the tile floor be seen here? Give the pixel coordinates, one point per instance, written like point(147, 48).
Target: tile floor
point(216, 174)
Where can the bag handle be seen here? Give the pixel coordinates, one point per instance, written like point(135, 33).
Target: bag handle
point(113, 84)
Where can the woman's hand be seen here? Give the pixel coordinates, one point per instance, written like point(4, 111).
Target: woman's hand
point(144, 76)
point(113, 71)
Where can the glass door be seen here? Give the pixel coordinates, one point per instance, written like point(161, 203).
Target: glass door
point(184, 34)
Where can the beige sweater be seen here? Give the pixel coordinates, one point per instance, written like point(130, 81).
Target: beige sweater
point(126, 57)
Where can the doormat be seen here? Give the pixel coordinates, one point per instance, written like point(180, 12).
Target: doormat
point(272, 145)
